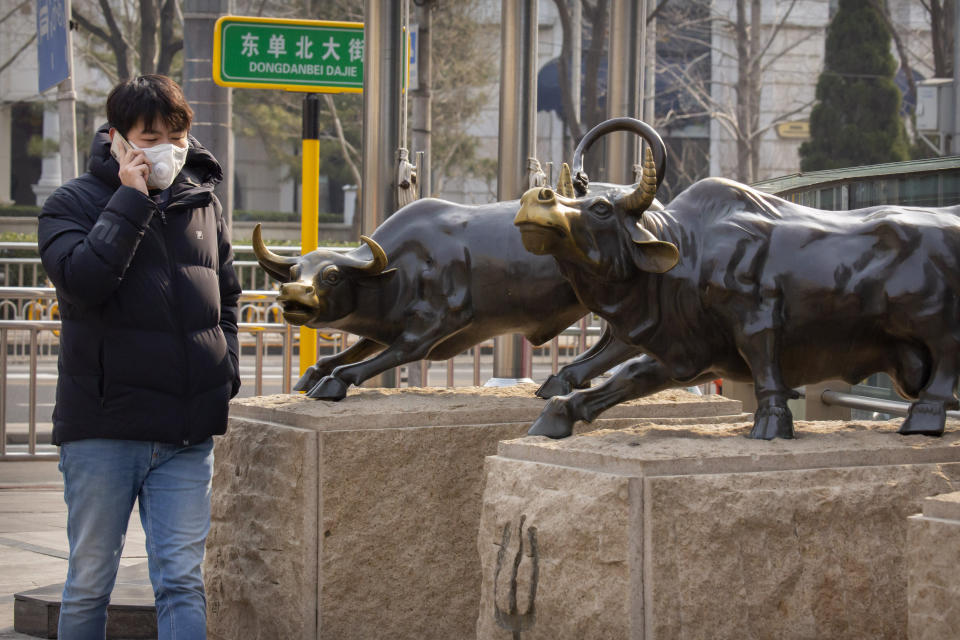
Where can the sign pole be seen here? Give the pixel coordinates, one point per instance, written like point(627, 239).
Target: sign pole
point(55, 68)
point(309, 206)
point(66, 105)
point(312, 56)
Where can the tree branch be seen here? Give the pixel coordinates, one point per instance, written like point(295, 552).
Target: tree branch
point(783, 117)
point(566, 78)
point(18, 52)
point(114, 38)
point(338, 127)
point(14, 10)
point(656, 12)
point(776, 31)
point(169, 45)
point(93, 29)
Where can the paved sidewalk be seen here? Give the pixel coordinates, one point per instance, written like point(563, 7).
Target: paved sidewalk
point(33, 534)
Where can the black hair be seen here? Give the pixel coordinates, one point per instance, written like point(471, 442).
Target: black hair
point(151, 97)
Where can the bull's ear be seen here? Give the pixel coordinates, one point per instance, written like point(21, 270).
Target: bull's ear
point(655, 256)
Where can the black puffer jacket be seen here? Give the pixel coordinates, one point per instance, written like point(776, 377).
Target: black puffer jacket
point(148, 301)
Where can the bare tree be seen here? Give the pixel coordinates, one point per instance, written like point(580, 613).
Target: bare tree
point(26, 43)
point(734, 103)
point(595, 17)
point(137, 36)
point(460, 76)
point(941, 34)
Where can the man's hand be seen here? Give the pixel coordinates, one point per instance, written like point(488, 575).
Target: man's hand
point(134, 169)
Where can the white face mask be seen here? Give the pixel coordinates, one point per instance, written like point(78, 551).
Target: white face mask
point(166, 161)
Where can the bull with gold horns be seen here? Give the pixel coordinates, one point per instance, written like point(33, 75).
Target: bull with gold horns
point(727, 281)
point(432, 281)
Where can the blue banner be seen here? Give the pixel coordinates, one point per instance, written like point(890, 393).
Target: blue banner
point(53, 58)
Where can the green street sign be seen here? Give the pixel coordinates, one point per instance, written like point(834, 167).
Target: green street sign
point(296, 55)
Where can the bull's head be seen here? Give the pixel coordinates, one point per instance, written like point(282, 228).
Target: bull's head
point(603, 233)
point(318, 288)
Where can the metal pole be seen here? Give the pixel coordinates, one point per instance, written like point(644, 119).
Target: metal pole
point(3, 392)
point(518, 136)
point(212, 104)
point(956, 80)
point(309, 205)
point(476, 365)
point(624, 69)
point(67, 107)
point(893, 407)
point(258, 365)
point(648, 84)
point(576, 64)
point(383, 69)
point(422, 132)
point(422, 116)
point(32, 397)
point(287, 358)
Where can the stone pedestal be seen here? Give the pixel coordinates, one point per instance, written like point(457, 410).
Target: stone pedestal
point(698, 532)
point(359, 519)
point(933, 563)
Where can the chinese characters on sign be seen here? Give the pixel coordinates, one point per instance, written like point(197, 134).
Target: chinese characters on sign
point(52, 55)
point(299, 55)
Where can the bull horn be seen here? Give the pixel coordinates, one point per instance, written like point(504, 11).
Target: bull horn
point(565, 182)
point(641, 198)
point(371, 267)
point(278, 267)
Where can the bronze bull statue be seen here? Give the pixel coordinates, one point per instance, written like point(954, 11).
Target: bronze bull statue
point(730, 282)
point(432, 281)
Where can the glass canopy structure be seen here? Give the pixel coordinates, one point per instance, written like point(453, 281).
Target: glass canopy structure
point(919, 183)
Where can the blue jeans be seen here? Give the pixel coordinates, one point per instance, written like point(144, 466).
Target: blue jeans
point(101, 481)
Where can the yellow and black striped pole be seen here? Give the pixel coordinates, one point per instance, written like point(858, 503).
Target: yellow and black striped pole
point(309, 206)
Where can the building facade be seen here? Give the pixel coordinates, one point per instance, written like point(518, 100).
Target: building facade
point(699, 121)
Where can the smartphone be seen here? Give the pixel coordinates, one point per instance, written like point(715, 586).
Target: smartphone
point(119, 146)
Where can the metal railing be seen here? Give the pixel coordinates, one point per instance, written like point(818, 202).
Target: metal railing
point(31, 336)
point(27, 271)
point(891, 407)
point(32, 329)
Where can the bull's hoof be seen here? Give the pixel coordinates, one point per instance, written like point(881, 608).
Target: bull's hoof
point(308, 380)
point(554, 421)
point(330, 388)
point(772, 422)
point(554, 386)
point(924, 418)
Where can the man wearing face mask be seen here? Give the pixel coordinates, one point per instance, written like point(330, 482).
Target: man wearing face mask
point(141, 259)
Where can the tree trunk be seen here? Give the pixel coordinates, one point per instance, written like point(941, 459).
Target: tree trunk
point(148, 36)
point(169, 45)
point(112, 37)
point(568, 108)
point(598, 16)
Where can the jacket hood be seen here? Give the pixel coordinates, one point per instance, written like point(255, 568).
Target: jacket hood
point(200, 171)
